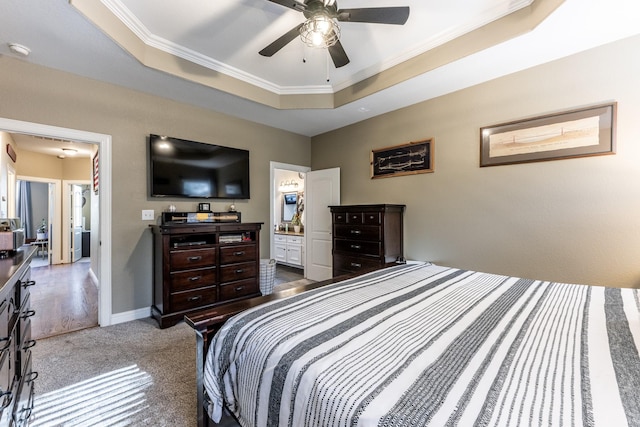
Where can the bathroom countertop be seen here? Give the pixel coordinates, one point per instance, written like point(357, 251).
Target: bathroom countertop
point(289, 233)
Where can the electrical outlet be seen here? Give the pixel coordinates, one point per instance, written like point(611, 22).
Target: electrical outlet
point(148, 215)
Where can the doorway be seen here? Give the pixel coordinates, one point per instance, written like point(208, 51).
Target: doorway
point(287, 199)
point(39, 209)
point(102, 241)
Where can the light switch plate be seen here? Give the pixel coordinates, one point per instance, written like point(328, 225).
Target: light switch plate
point(148, 215)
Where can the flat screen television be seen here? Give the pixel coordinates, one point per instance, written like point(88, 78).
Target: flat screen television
point(182, 168)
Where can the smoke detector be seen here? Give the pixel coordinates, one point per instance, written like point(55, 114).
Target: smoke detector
point(19, 49)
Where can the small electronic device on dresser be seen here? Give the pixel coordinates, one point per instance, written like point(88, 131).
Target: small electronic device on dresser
point(11, 236)
point(202, 260)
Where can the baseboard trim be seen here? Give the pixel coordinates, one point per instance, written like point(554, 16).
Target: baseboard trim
point(94, 278)
point(128, 316)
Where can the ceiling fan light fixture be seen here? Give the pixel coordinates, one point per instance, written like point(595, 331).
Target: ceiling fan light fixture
point(320, 31)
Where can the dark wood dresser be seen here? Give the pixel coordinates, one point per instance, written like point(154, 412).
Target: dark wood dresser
point(366, 237)
point(16, 376)
point(199, 266)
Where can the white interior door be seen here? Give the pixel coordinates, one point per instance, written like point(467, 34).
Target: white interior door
point(76, 223)
point(322, 190)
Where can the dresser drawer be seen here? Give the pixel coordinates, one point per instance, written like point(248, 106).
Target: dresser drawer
point(194, 299)
point(238, 289)
point(358, 247)
point(245, 270)
point(193, 258)
point(362, 232)
point(354, 218)
point(340, 218)
point(25, 396)
point(354, 264)
point(240, 253)
point(193, 279)
point(372, 218)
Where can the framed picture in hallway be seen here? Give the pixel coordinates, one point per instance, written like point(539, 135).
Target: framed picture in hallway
point(405, 159)
point(96, 174)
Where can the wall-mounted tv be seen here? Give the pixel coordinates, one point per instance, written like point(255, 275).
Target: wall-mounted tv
point(181, 168)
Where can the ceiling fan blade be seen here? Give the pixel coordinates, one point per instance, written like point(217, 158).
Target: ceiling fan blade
point(376, 15)
point(281, 42)
point(338, 55)
point(291, 4)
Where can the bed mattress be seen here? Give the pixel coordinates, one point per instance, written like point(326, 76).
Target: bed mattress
point(422, 344)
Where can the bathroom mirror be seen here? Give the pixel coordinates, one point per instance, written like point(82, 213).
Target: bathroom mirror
point(289, 202)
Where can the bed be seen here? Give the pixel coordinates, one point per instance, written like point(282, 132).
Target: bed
point(422, 344)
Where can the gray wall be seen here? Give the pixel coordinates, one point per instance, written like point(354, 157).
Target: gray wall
point(36, 94)
point(569, 220)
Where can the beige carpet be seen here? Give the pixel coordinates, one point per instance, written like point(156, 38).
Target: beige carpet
point(130, 374)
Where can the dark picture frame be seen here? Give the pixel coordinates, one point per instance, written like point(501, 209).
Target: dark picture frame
point(406, 159)
point(576, 133)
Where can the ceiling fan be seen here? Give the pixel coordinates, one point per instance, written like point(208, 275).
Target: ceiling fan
point(321, 28)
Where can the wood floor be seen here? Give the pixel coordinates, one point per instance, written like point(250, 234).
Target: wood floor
point(65, 299)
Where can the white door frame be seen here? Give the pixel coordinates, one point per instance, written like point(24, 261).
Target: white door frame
point(104, 146)
point(273, 188)
point(66, 214)
point(11, 191)
point(55, 249)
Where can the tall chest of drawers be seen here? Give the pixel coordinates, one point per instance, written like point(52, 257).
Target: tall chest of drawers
point(198, 266)
point(366, 237)
point(16, 375)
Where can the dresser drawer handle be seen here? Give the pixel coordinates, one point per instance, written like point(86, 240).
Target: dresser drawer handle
point(31, 377)
point(195, 278)
point(356, 246)
point(239, 288)
point(355, 264)
point(195, 258)
point(196, 298)
point(356, 232)
point(238, 271)
point(28, 313)
point(28, 344)
point(28, 283)
point(7, 345)
point(239, 253)
point(8, 397)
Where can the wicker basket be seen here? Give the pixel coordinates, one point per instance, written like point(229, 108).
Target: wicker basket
point(267, 275)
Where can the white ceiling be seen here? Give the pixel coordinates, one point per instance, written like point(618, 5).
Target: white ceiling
point(226, 35)
point(229, 33)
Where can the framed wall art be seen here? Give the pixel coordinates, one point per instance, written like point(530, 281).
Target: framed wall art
point(96, 172)
point(578, 133)
point(405, 159)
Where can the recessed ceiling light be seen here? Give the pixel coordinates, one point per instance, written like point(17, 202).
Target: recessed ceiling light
point(70, 151)
point(19, 49)
point(364, 109)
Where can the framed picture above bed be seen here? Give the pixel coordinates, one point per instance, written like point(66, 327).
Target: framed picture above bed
point(405, 159)
point(577, 133)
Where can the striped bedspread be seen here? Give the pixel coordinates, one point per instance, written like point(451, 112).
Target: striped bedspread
point(422, 344)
